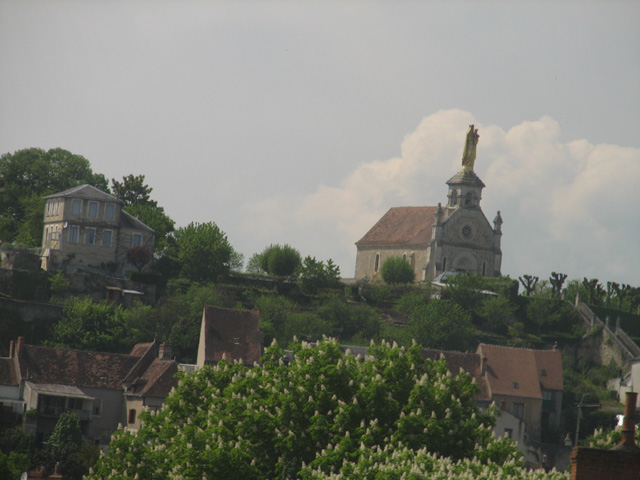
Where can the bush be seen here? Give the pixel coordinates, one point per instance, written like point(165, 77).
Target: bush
point(397, 270)
point(278, 260)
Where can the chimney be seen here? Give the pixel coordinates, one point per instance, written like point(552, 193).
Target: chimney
point(629, 425)
point(19, 346)
point(12, 348)
point(164, 352)
point(483, 364)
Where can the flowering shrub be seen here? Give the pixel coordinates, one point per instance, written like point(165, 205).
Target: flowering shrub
point(323, 415)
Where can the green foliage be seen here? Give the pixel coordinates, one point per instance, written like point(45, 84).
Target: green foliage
point(67, 431)
point(465, 290)
point(12, 465)
point(323, 410)
point(411, 301)
point(278, 260)
point(441, 324)
point(58, 283)
point(133, 191)
point(28, 175)
point(498, 312)
point(86, 325)
point(203, 251)
point(397, 270)
point(606, 439)
point(315, 275)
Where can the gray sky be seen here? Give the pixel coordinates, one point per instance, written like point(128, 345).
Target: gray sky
point(303, 122)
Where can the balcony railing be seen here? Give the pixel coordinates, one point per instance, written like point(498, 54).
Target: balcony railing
point(48, 411)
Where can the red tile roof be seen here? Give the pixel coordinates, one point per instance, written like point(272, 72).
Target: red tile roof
point(518, 371)
point(233, 333)
point(74, 367)
point(158, 379)
point(402, 226)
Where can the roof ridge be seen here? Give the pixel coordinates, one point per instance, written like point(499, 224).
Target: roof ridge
point(520, 348)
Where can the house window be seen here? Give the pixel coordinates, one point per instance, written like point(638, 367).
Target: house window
point(376, 266)
point(76, 207)
point(97, 406)
point(93, 210)
point(132, 415)
point(74, 234)
point(413, 259)
point(74, 403)
point(48, 211)
point(547, 395)
point(109, 211)
point(508, 432)
point(56, 209)
point(47, 236)
point(444, 264)
point(106, 238)
point(136, 240)
point(89, 236)
point(518, 410)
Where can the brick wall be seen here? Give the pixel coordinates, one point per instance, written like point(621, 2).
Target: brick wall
point(595, 464)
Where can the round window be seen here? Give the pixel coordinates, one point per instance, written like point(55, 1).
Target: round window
point(467, 232)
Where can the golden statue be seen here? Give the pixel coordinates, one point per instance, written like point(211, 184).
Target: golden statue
point(469, 153)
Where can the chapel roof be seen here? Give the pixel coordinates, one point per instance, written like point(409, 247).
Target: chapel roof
point(403, 226)
point(466, 178)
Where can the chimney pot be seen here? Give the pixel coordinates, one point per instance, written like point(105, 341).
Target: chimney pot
point(164, 352)
point(12, 348)
point(629, 425)
point(19, 345)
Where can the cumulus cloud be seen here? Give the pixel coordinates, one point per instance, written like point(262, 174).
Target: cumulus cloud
point(567, 207)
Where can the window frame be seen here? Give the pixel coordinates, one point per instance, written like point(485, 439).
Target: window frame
point(133, 240)
point(74, 202)
point(110, 207)
point(95, 204)
point(102, 237)
point(87, 230)
point(70, 237)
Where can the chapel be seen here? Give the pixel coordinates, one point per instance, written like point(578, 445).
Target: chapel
point(452, 237)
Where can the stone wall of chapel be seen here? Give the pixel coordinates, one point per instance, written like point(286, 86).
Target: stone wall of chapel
point(366, 259)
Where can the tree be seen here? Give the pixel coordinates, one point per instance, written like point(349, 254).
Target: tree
point(529, 283)
point(441, 324)
point(133, 191)
point(138, 256)
point(28, 175)
point(498, 311)
point(279, 260)
point(595, 292)
point(314, 275)
point(397, 270)
point(203, 251)
point(322, 409)
point(155, 218)
point(557, 280)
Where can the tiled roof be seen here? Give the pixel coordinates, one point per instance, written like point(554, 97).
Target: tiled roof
point(86, 192)
point(402, 226)
point(74, 367)
point(8, 372)
point(518, 371)
point(158, 379)
point(468, 362)
point(466, 178)
point(233, 333)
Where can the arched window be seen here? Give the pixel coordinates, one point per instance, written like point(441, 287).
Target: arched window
point(468, 199)
point(413, 259)
point(404, 256)
point(376, 266)
point(454, 197)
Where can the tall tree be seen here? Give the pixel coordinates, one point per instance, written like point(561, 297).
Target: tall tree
point(203, 251)
point(133, 191)
point(28, 175)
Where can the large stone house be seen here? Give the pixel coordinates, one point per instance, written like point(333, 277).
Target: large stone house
point(85, 228)
point(435, 239)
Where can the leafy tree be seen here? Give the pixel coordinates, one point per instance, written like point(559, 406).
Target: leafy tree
point(314, 275)
point(498, 311)
point(28, 175)
point(529, 283)
point(67, 431)
point(595, 292)
point(397, 270)
point(139, 256)
point(86, 325)
point(465, 289)
point(66, 446)
point(203, 251)
point(253, 265)
point(12, 465)
point(133, 191)
point(280, 260)
point(322, 410)
point(441, 324)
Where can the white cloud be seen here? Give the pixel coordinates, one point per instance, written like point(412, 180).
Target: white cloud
point(569, 207)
